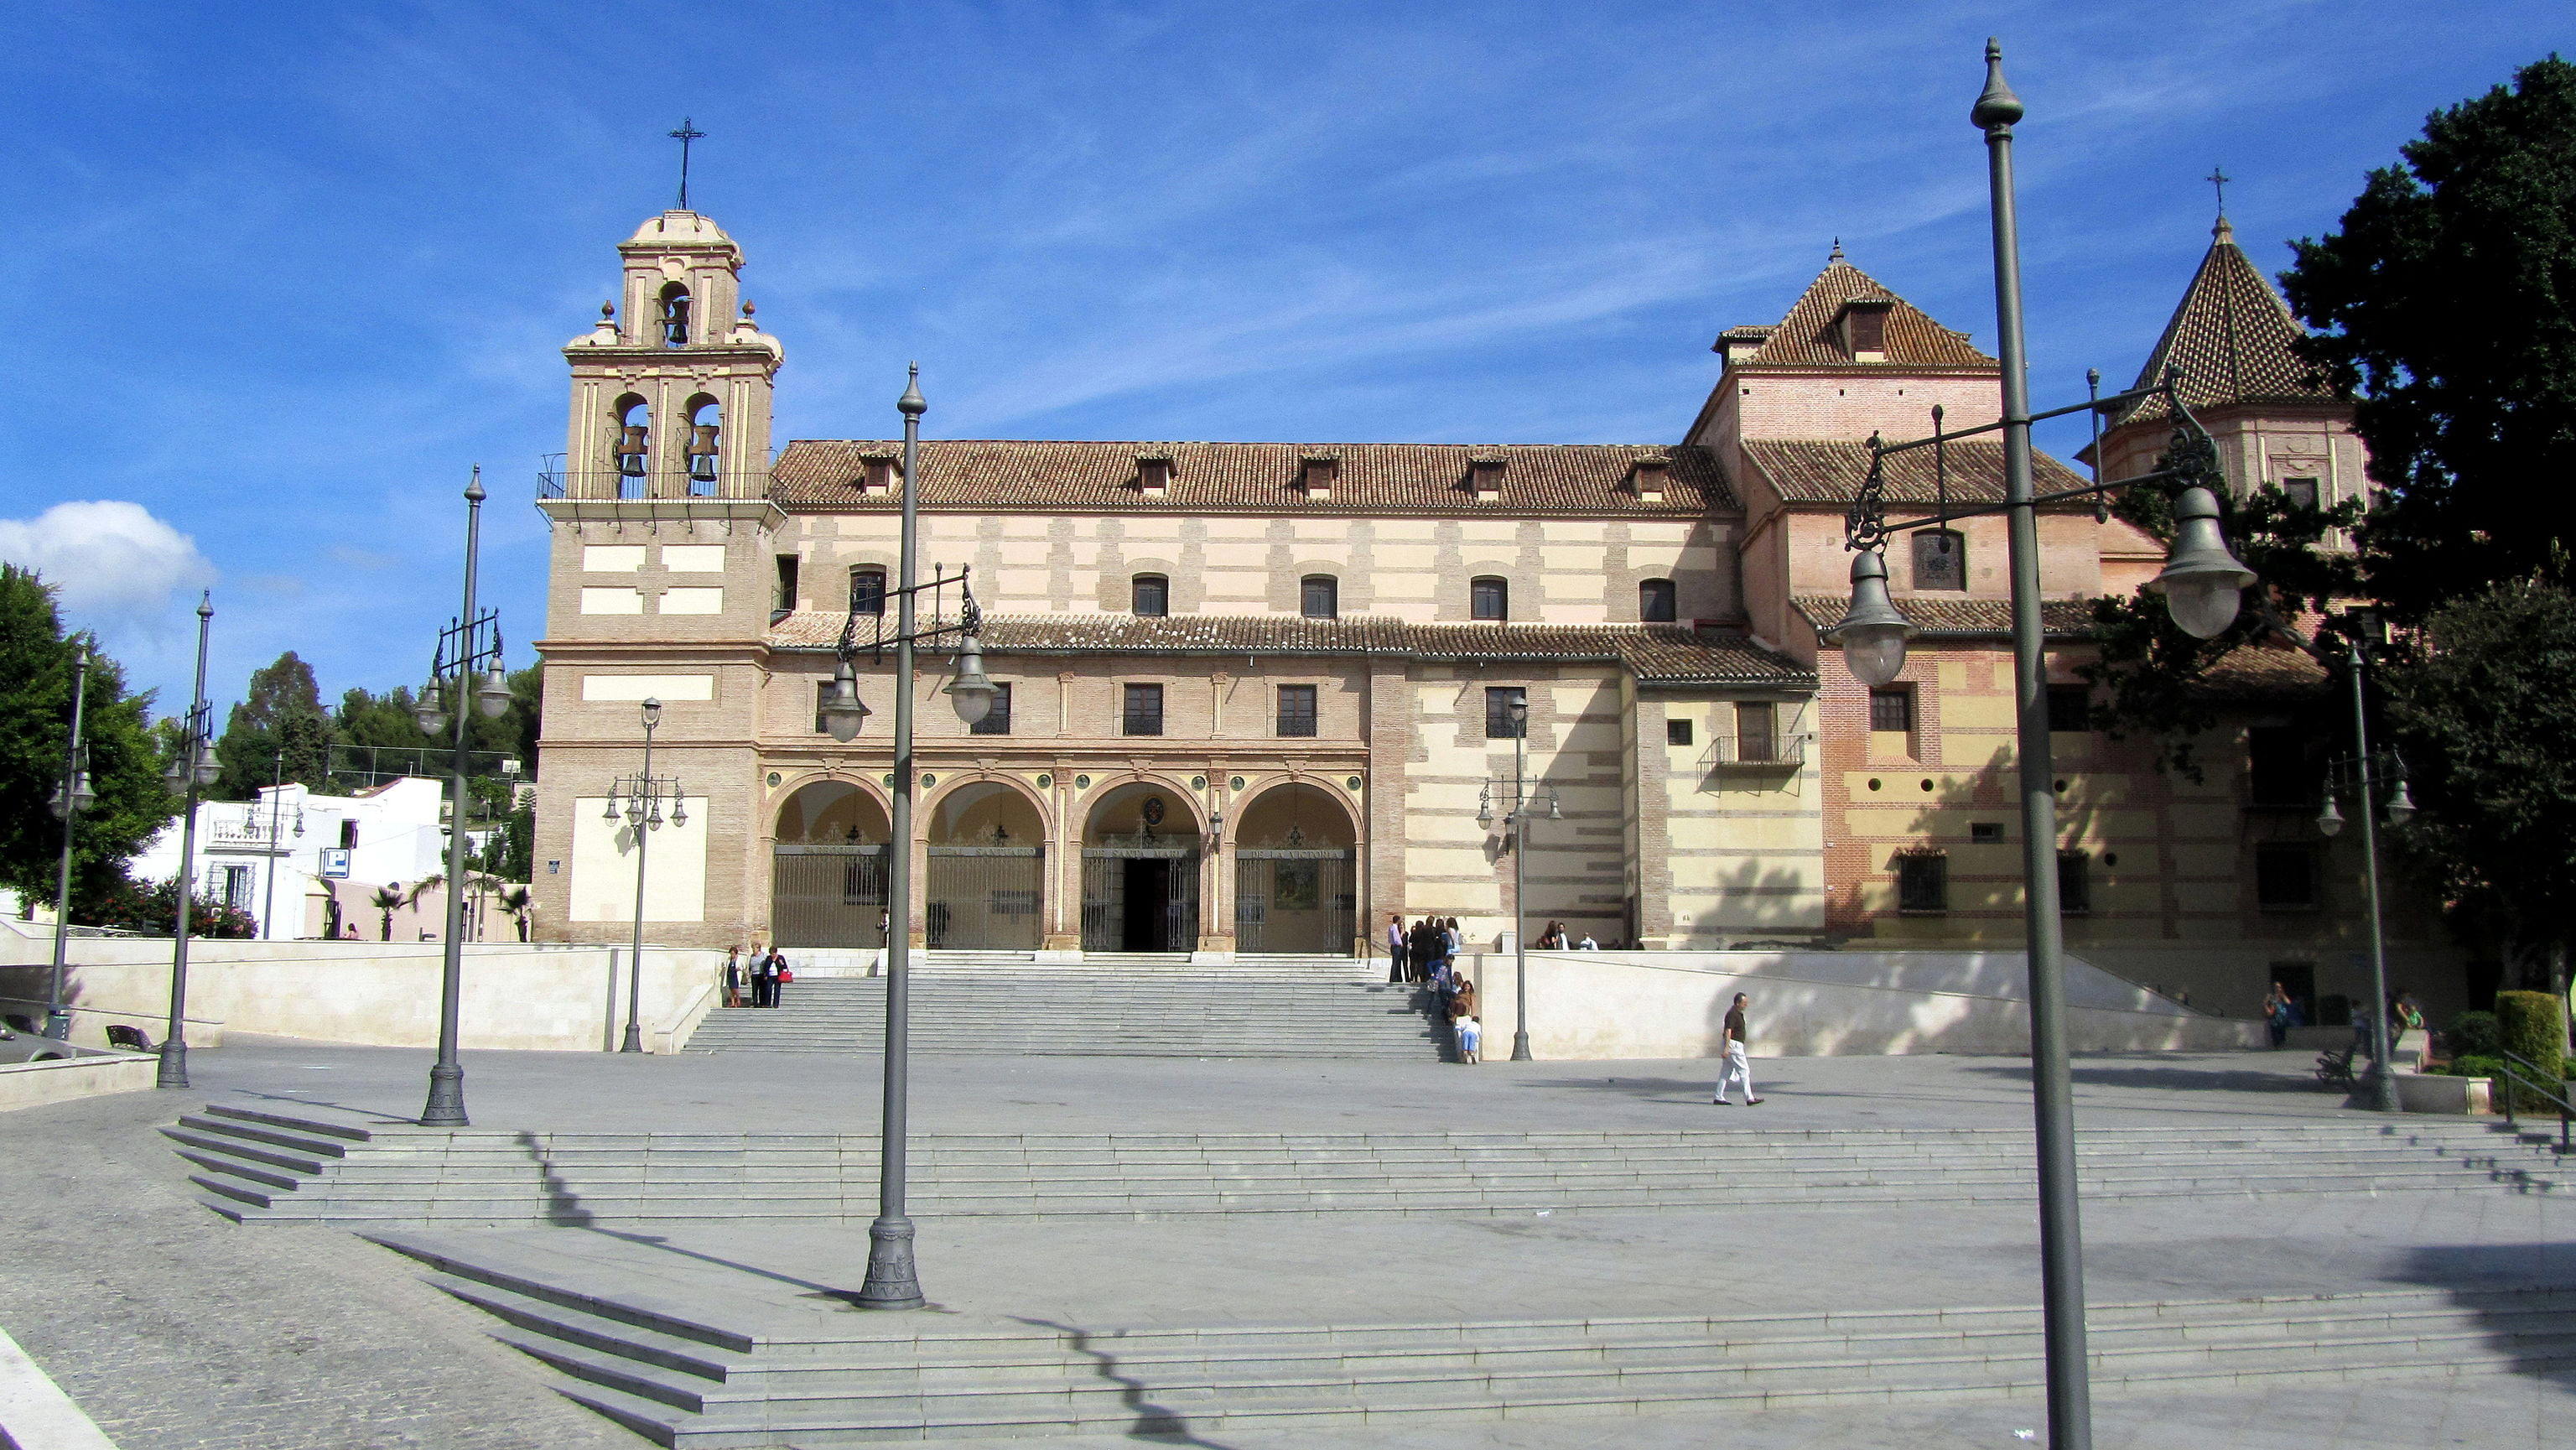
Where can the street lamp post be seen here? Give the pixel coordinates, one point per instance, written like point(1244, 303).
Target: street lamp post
point(1518, 808)
point(2329, 821)
point(193, 768)
point(893, 1282)
point(644, 792)
point(471, 644)
point(2202, 583)
point(276, 828)
point(74, 798)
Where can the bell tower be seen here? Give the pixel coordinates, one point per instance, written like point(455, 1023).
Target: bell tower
point(671, 388)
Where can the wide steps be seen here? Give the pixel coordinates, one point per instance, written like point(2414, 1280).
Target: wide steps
point(677, 1384)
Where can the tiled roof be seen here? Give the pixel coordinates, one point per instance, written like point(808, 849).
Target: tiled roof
point(1960, 618)
point(1656, 653)
point(2263, 668)
point(1372, 478)
point(2231, 338)
point(1807, 337)
point(1825, 471)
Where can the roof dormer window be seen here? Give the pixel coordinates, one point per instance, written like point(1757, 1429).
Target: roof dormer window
point(1316, 473)
point(1485, 478)
point(1153, 473)
point(1648, 474)
point(1863, 321)
point(876, 472)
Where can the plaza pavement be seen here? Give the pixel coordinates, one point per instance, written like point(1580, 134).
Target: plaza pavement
point(173, 1327)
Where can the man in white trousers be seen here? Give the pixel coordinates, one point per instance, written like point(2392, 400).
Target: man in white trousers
point(1737, 1072)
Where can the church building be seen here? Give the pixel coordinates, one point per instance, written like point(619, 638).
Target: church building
point(1258, 697)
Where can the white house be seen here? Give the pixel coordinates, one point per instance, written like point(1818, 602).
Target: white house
point(288, 857)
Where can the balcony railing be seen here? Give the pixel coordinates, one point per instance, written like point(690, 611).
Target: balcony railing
point(1758, 752)
point(609, 486)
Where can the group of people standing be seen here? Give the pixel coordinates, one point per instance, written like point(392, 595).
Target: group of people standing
point(1426, 954)
point(764, 974)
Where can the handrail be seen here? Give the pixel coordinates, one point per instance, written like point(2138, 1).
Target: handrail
point(2515, 1064)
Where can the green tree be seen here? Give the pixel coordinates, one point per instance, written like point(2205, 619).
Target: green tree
point(281, 712)
point(2486, 723)
point(2446, 305)
point(37, 667)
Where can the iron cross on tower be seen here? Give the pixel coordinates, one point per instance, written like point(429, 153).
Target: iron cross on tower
point(686, 134)
point(2217, 177)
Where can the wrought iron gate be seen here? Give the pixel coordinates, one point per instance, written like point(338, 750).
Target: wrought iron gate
point(828, 896)
point(986, 898)
point(1296, 900)
point(1105, 875)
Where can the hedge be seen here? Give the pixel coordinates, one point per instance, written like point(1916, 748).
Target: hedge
point(2534, 1028)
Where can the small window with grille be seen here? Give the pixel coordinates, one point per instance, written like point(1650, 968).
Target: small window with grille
point(1922, 882)
point(1677, 732)
point(1296, 709)
point(996, 721)
point(1151, 596)
point(1144, 713)
point(1891, 709)
point(1499, 700)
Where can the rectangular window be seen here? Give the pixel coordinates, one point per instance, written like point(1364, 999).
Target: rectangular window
point(2276, 767)
point(867, 591)
point(1296, 709)
point(1657, 603)
point(2070, 709)
point(1144, 714)
point(2074, 883)
point(822, 697)
point(1986, 833)
point(1868, 329)
point(1319, 596)
point(1677, 732)
point(2302, 491)
point(1151, 596)
point(2285, 877)
point(1489, 598)
point(1922, 883)
point(233, 889)
point(1757, 731)
point(1940, 560)
point(1891, 709)
point(996, 721)
point(1499, 721)
point(786, 596)
point(348, 835)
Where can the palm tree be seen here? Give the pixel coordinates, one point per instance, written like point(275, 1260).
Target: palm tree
point(517, 900)
point(386, 900)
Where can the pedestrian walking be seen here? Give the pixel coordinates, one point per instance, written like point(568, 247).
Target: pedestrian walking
point(733, 975)
point(1738, 1071)
point(2277, 1009)
point(1394, 948)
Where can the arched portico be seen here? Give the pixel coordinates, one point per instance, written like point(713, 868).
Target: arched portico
point(986, 868)
point(1296, 872)
point(1140, 870)
point(829, 867)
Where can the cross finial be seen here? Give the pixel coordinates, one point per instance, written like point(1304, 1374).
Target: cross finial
point(686, 134)
point(2219, 178)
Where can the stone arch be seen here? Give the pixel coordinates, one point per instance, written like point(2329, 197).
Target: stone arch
point(1142, 845)
point(984, 865)
point(829, 865)
point(1296, 868)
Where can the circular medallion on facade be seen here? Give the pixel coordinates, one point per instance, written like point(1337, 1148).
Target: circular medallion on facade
point(1046, 782)
point(889, 781)
point(1353, 782)
point(774, 778)
point(1873, 782)
point(1927, 783)
point(1152, 810)
point(927, 781)
point(2110, 858)
point(1082, 782)
point(1198, 782)
point(1236, 783)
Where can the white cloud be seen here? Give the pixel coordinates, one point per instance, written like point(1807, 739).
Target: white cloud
point(112, 562)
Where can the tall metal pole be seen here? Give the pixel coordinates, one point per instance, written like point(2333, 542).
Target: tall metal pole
point(276, 799)
point(1520, 918)
point(2383, 1095)
point(174, 1037)
point(892, 1281)
point(446, 1108)
point(58, 1018)
point(647, 809)
point(2061, 1235)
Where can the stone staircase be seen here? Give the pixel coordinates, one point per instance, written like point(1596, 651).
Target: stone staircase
point(681, 1378)
point(1106, 1007)
point(263, 1166)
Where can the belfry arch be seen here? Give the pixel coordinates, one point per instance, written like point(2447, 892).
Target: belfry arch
point(1141, 850)
point(986, 870)
point(829, 867)
point(1296, 873)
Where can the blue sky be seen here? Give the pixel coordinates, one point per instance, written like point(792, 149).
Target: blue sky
point(286, 271)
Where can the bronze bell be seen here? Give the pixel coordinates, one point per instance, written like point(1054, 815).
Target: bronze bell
point(702, 452)
point(630, 452)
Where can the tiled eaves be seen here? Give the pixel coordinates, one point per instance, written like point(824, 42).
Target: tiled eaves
point(1934, 619)
point(1659, 654)
point(1831, 471)
point(1380, 479)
